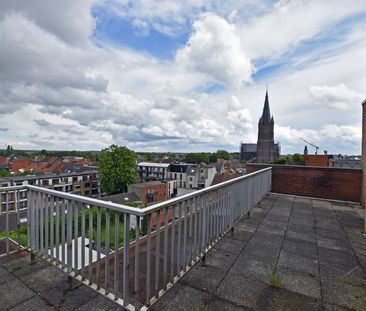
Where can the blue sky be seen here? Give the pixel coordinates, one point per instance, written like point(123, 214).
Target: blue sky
point(176, 75)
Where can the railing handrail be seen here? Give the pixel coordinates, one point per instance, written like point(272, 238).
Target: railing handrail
point(133, 210)
point(157, 206)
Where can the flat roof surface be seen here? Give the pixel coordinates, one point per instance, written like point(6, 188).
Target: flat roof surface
point(153, 164)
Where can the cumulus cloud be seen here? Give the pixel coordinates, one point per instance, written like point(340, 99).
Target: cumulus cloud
point(335, 97)
point(61, 89)
point(214, 49)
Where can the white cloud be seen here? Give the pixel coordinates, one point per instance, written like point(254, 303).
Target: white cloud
point(60, 90)
point(214, 49)
point(335, 97)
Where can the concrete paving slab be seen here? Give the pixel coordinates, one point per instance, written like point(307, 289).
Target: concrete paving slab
point(241, 290)
point(100, 303)
point(345, 259)
point(181, 298)
point(301, 283)
point(50, 276)
point(301, 248)
point(344, 295)
point(230, 245)
point(35, 303)
point(14, 293)
point(68, 297)
point(280, 299)
point(298, 263)
point(220, 259)
point(5, 276)
point(205, 279)
point(252, 268)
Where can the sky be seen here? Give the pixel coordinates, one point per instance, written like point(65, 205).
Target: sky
point(181, 76)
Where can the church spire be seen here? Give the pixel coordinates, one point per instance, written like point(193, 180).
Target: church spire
point(266, 115)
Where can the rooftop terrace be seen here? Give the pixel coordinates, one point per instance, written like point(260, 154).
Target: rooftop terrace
point(316, 246)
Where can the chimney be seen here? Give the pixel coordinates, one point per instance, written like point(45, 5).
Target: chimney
point(363, 191)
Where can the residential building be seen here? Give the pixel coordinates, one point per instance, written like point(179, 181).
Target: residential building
point(178, 171)
point(206, 174)
point(149, 192)
point(317, 160)
point(83, 183)
point(346, 163)
point(151, 171)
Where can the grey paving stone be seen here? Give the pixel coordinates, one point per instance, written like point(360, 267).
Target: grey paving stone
point(240, 235)
point(241, 290)
point(216, 304)
point(309, 237)
point(230, 245)
point(345, 259)
point(5, 276)
point(242, 225)
point(205, 279)
point(333, 307)
point(304, 284)
point(331, 272)
point(35, 303)
point(341, 245)
point(220, 259)
point(301, 248)
point(298, 263)
point(344, 295)
point(265, 253)
point(305, 229)
point(100, 303)
point(252, 268)
point(280, 299)
point(181, 298)
point(331, 234)
point(66, 297)
point(13, 293)
point(273, 228)
point(32, 274)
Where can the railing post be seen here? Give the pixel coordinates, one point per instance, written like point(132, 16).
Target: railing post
point(69, 237)
point(126, 258)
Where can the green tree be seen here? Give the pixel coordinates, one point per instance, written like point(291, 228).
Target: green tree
point(197, 158)
point(297, 157)
point(281, 160)
point(117, 169)
point(4, 173)
point(212, 157)
point(223, 154)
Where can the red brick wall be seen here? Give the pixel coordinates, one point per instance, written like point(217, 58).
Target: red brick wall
point(319, 182)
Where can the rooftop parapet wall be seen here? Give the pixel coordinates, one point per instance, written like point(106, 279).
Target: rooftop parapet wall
point(319, 182)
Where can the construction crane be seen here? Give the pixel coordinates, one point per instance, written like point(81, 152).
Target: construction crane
point(316, 147)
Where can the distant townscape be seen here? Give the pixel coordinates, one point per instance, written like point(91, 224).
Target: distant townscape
point(155, 176)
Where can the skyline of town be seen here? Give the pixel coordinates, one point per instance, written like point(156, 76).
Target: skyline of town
point(181, 77)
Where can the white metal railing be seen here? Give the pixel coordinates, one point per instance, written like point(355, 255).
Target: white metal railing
point(132, 255)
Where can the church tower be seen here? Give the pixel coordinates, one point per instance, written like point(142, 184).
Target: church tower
point(265, 144)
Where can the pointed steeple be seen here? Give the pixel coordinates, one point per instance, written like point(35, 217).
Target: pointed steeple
point(266, 115)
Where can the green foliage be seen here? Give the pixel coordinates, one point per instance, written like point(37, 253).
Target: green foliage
point(200, 308)
point(280, 160)
point(4, 173)
point(197, 158)
point(117, 169)
point(15, 236)
point(244, 162)
point(297, 157)
point(212, 157)
point(275, 280)
point(223, 154)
